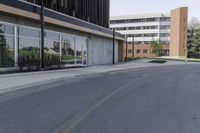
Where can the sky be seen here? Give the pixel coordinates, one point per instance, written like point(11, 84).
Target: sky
point(130, 7)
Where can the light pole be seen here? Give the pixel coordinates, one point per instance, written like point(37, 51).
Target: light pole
point(113, 45)
point(42, 36)
point(126, 49)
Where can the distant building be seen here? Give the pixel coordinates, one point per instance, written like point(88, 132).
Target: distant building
point(141, 30)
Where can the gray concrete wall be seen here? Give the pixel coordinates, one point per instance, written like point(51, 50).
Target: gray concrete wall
point(100, 51)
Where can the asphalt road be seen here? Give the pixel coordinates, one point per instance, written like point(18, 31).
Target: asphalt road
point(149, 100)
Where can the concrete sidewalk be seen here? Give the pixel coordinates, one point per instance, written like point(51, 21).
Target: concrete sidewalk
point(11, 82)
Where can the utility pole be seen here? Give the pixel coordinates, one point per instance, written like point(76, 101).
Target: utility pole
point(113, 45)
point(42, 36)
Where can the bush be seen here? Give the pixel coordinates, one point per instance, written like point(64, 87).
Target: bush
point(52, 60)
point(29, 58)
point(158, 61)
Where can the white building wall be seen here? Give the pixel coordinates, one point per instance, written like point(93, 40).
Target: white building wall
point(157, 23)
point(100, 51)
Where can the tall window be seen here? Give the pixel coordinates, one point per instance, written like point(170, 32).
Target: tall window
point(52, 48)
point(138, 51)
point(68, 49)
point(6, 45)
point(81, 50)
point(29, 47)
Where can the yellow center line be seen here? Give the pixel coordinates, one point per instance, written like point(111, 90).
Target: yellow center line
point(84, 114)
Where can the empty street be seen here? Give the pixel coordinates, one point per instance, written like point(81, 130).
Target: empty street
point(147, 100)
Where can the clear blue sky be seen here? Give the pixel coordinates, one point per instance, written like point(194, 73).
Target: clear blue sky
point(129, 7)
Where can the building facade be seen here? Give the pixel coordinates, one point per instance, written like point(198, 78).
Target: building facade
point(141, 30)
point(68, 41)
point(94, 11)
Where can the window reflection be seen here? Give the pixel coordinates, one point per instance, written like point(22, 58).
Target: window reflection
point(6, 51)
point(51, 35)
point(72, 51)
point(52, 49)
point(6, 29)
point(29, 32)
point(29, 52)
point(81, 50)
point(6, 46)
point(29, 47)
point(68, 49)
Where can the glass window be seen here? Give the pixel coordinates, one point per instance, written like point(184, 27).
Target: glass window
point(165, 27)
point(6, 51)
point(134, 20)
point(51, 53)
point(29, 32)
point(150, 19)
point(164, 42)
point(81, 50)
point(138, 51)
point(112, 22)
point(120, 21)
point(29, 52)
point(68, 49)
point(164, 19)
point(51, 36)
point(6, 29)
point(145, 51)
point(129, 51)
point(164, 34)
point(51, 49)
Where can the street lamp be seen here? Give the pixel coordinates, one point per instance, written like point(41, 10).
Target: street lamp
point(42, 36)
point(113, 45)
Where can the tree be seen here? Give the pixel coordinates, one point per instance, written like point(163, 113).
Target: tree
point(193, 29)
point(196, 42)
point(156, 48)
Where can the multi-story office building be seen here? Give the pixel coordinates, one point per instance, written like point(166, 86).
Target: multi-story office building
point(76, 33)
point(94, 11)
point(141, 30)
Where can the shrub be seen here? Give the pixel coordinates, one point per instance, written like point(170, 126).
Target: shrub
point(29, 57)
point(52, 60)
point(158, 61)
